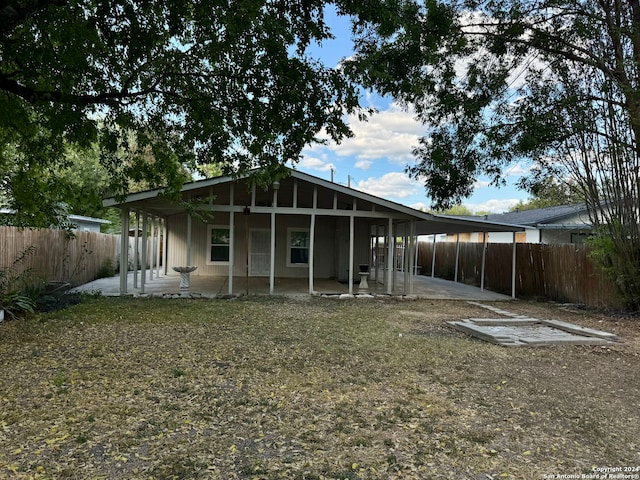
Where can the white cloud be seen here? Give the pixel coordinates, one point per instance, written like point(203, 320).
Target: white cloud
point(518, 170)
point(391, 185)
point(313, 163)
point(363, 164)
point(389, 134)
point(493, 206)
point(421, 206)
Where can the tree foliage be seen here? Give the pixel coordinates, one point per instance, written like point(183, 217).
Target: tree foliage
point(552, 84)
point(157, 86)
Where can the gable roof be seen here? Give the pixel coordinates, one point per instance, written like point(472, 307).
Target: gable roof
point(427, 223)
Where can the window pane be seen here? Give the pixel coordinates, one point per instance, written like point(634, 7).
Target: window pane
point(219, 253)
point(220, 236)
point(299, 239)
point(299, 255)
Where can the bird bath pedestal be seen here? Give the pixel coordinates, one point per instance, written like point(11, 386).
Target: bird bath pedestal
point(185, 281)
point(364, 275)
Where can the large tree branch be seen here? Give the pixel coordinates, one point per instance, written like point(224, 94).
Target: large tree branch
point(13, 13)
point(33, 95)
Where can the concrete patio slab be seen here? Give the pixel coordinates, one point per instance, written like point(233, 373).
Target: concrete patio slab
point(216, 287)
point(518, 330)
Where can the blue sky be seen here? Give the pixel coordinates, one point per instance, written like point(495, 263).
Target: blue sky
point(375, 159)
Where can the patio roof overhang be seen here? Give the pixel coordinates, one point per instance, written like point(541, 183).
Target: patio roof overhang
point(331, 200)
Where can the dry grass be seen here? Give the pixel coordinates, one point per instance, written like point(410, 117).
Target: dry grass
point(309, 389)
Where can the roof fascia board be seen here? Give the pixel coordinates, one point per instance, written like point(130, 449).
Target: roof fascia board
point(511, 227)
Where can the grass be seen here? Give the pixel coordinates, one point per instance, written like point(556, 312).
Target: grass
point(265, 388)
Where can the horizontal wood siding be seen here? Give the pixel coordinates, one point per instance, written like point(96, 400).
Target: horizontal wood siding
point(562, 272)
point(57, 256)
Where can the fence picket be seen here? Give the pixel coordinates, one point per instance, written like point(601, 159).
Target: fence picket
point(58, 257)
point(562, 272)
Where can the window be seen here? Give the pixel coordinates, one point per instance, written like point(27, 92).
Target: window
point(298, 247)
point(218, 245)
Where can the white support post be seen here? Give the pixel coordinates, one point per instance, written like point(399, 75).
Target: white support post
point(136, 259)
point(312, 241)
point(312, 233)
point(513, 268)
point(412, 254)
point(124, 251)
point(164, 247)
point(152, 255)
point(484, 260)
point(189, 227)
point(377, 249)
point(272, 263)
point(351, 250)
point(231, 240)
point(455, 277)
point(143, 270)
point(295, 193)
point(158, 222)
point(406, 266)
point(390, 258)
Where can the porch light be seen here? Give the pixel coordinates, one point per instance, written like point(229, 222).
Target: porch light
point(276, 185)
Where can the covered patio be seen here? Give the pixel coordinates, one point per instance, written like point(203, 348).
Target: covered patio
point(312, 235)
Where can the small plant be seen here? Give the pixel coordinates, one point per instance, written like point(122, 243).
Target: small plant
point(107, 270)
point(17, 288)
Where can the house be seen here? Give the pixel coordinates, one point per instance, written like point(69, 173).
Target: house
point(77, 222)
point(301, 227)
point(559, 224)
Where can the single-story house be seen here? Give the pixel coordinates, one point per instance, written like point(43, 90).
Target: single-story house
point(559, 224)
point(301, 227)
point(77, 222)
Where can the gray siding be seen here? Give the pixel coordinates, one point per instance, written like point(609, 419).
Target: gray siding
point(331, 244)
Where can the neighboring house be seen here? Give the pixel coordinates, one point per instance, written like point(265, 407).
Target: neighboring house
point(300, 227)
point(78, 222)
point(560, 224)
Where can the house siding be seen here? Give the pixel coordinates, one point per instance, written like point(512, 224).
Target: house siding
point(330, 247)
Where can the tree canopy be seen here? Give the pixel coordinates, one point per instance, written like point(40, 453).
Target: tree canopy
point(157, 86)
point(551, 84)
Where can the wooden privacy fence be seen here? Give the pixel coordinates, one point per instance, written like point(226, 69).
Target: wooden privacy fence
point(57, 256)
point(562, 272)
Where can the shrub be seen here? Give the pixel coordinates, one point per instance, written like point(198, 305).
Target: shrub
point(18, 290)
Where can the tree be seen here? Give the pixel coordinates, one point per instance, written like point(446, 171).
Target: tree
point(158, 86)
point(555, 84)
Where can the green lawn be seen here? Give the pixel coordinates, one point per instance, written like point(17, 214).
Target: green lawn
point(268, 388)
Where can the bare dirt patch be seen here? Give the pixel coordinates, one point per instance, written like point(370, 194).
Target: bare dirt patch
point(264, 388)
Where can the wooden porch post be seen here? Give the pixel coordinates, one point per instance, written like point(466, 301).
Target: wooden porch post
point(513, 268)
point(231, 240)
point(412, 254)
point(272, 264)
point(390, 257)
point(157, 244)
point(143, 271)
point(124, 251)
point(152, 256)
point(136, 260)
point(312, 232)
point(455, 279)
point(351, 242)
point(165, 242)
point(484, 258)
point(376, 253)
point(188, 259)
